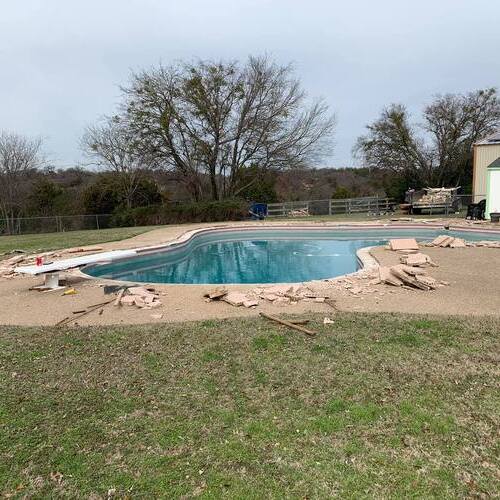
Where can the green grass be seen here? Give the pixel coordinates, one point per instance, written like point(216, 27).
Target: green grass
point(373, 406)
point(55, 241)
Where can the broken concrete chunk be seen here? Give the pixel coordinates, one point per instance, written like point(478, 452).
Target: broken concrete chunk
point(387, 277)
point(407, 279)
point(251, 303)
point(458, 243)
point(128, 300)
point(437, 241)
point(138, 290)
point(427, 280)
point(216, 294)
point(410, 269)
point(235, 298)
point(270, 296)
point(404, 244)
point(139, 302)
point(447, 242)
point(416, 259)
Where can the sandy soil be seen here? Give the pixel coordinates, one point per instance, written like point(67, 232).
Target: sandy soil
point(473, 273)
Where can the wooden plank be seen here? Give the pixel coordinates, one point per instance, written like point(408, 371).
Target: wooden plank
point(289, 324)
point(67, 320)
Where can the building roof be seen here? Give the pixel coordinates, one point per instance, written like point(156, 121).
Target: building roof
point(491, 139)
point(495, 164)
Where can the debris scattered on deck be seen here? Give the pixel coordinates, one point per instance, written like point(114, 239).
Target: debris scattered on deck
point(81, 250)
point(80, 314)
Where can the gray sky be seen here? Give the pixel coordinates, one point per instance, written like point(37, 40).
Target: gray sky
point(61, 61)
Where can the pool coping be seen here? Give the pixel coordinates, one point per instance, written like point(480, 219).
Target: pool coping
point(364, 257)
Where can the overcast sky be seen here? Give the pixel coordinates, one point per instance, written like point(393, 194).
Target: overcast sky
point(61, 61)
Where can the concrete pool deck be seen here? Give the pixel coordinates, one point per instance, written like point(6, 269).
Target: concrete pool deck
point(473, 273)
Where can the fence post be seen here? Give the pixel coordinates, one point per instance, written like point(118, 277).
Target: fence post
point(330, 206)
point(97, 221)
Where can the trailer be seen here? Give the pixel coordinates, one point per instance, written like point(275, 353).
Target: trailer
point(433, 200)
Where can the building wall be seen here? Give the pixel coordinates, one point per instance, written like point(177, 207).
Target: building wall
point(484, 155)
point(493, 198)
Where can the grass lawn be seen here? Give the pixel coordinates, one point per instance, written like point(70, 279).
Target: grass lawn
point(54, 241)
point(373, 406)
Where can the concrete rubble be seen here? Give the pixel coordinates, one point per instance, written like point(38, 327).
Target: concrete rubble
point(277, 294)
point(138, 296)
point(410, 273)
point(445, 241)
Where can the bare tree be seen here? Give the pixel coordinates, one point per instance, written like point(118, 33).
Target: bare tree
point(113, 147)
point(20, 157)
point(214, 119)
point(442, 154)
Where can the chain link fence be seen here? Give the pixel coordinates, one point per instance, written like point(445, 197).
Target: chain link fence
point(53, 224)
point(372, 206)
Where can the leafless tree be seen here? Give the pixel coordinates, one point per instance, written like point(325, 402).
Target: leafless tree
point(20, 157)
point(113, 147)
point(214, 119)
point(442, 154)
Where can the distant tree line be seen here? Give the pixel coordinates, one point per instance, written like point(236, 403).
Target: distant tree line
point(213, 135)
point(437, 152)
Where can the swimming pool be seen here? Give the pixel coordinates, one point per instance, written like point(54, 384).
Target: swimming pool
point(264, 255)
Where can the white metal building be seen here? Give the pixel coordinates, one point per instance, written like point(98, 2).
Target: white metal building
point(486, 153)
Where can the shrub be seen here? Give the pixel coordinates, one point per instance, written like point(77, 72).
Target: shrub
point(105, 195)
point(210, 211)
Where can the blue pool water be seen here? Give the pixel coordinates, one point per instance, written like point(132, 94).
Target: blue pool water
point(261, 256)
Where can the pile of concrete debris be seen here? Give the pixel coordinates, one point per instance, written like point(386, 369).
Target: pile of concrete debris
point(445, 241)
point(302, 212)
point(434, 196)
point(277, 294)
point(138, 296)
point(411, 271)
point(409, 276)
